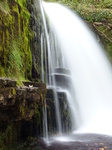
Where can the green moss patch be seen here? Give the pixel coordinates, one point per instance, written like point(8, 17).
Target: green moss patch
point(15, 37)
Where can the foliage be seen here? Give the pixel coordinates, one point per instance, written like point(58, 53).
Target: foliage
point(108, 3)
point(15, 61)
point(15, 37)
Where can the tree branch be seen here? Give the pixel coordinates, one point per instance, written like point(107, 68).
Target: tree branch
point(94, 24)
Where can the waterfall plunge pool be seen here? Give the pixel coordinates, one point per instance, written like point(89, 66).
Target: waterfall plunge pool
point(74, 142)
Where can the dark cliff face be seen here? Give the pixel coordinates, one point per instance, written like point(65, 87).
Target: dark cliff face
point(20, 111)
point(20, 46)
point(17, 103)
point(20, 57)
point(15, 37)
point(36, 26)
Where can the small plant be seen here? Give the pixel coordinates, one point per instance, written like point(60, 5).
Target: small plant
point(108, 3)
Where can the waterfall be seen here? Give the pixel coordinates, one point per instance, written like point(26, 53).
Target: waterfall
point(45, 60)
point(42, 64)
point(50, 79)
point(45, 128)
point(91, 72)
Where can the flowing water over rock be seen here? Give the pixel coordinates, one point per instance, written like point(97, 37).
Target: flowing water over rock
point(74, 142)
point(90, 94)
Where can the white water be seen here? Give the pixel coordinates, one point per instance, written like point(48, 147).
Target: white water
point(72, 107)
point(42, 65)
point(51, 65)
point(45, 60)
point(45, 127)
point(91, 70)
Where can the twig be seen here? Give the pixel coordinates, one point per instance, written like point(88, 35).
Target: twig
point(102, 33)
point(108, 25)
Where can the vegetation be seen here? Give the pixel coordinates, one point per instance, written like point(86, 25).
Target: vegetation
point(16, 62)
point(15, 37)
point(15, 32)
point(9, 136)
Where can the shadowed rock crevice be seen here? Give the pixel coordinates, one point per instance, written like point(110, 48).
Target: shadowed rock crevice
point(20, 106)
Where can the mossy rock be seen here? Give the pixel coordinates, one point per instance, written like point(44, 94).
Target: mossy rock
point(15, 36)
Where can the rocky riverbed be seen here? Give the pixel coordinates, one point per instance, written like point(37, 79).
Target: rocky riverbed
point(72, 142)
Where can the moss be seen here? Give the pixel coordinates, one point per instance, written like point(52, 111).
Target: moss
point(15, 53)
point(37, 115)
point(19, 82)
point(2, 145)
point(25, 14)
point(22, 3)
point(9, 136)
point(16, 19)
point(22, 110)
point(13, 91)
point(8, 38)
point(1, 70)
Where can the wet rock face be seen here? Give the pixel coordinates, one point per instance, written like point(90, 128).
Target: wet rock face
point(62, 78)
point(65, 112)
point(20, 111)
point(36, 26)
point(51, 112)
point(19, 103)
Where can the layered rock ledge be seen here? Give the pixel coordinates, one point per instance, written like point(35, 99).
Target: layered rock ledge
point(21, 111)
point(17, 103)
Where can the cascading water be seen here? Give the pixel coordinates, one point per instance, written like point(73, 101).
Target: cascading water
point(90, 69)
point(42, 64)
point(51, 64)
point(45, 128)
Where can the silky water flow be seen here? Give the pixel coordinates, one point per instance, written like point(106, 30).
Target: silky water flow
point(71, 45)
